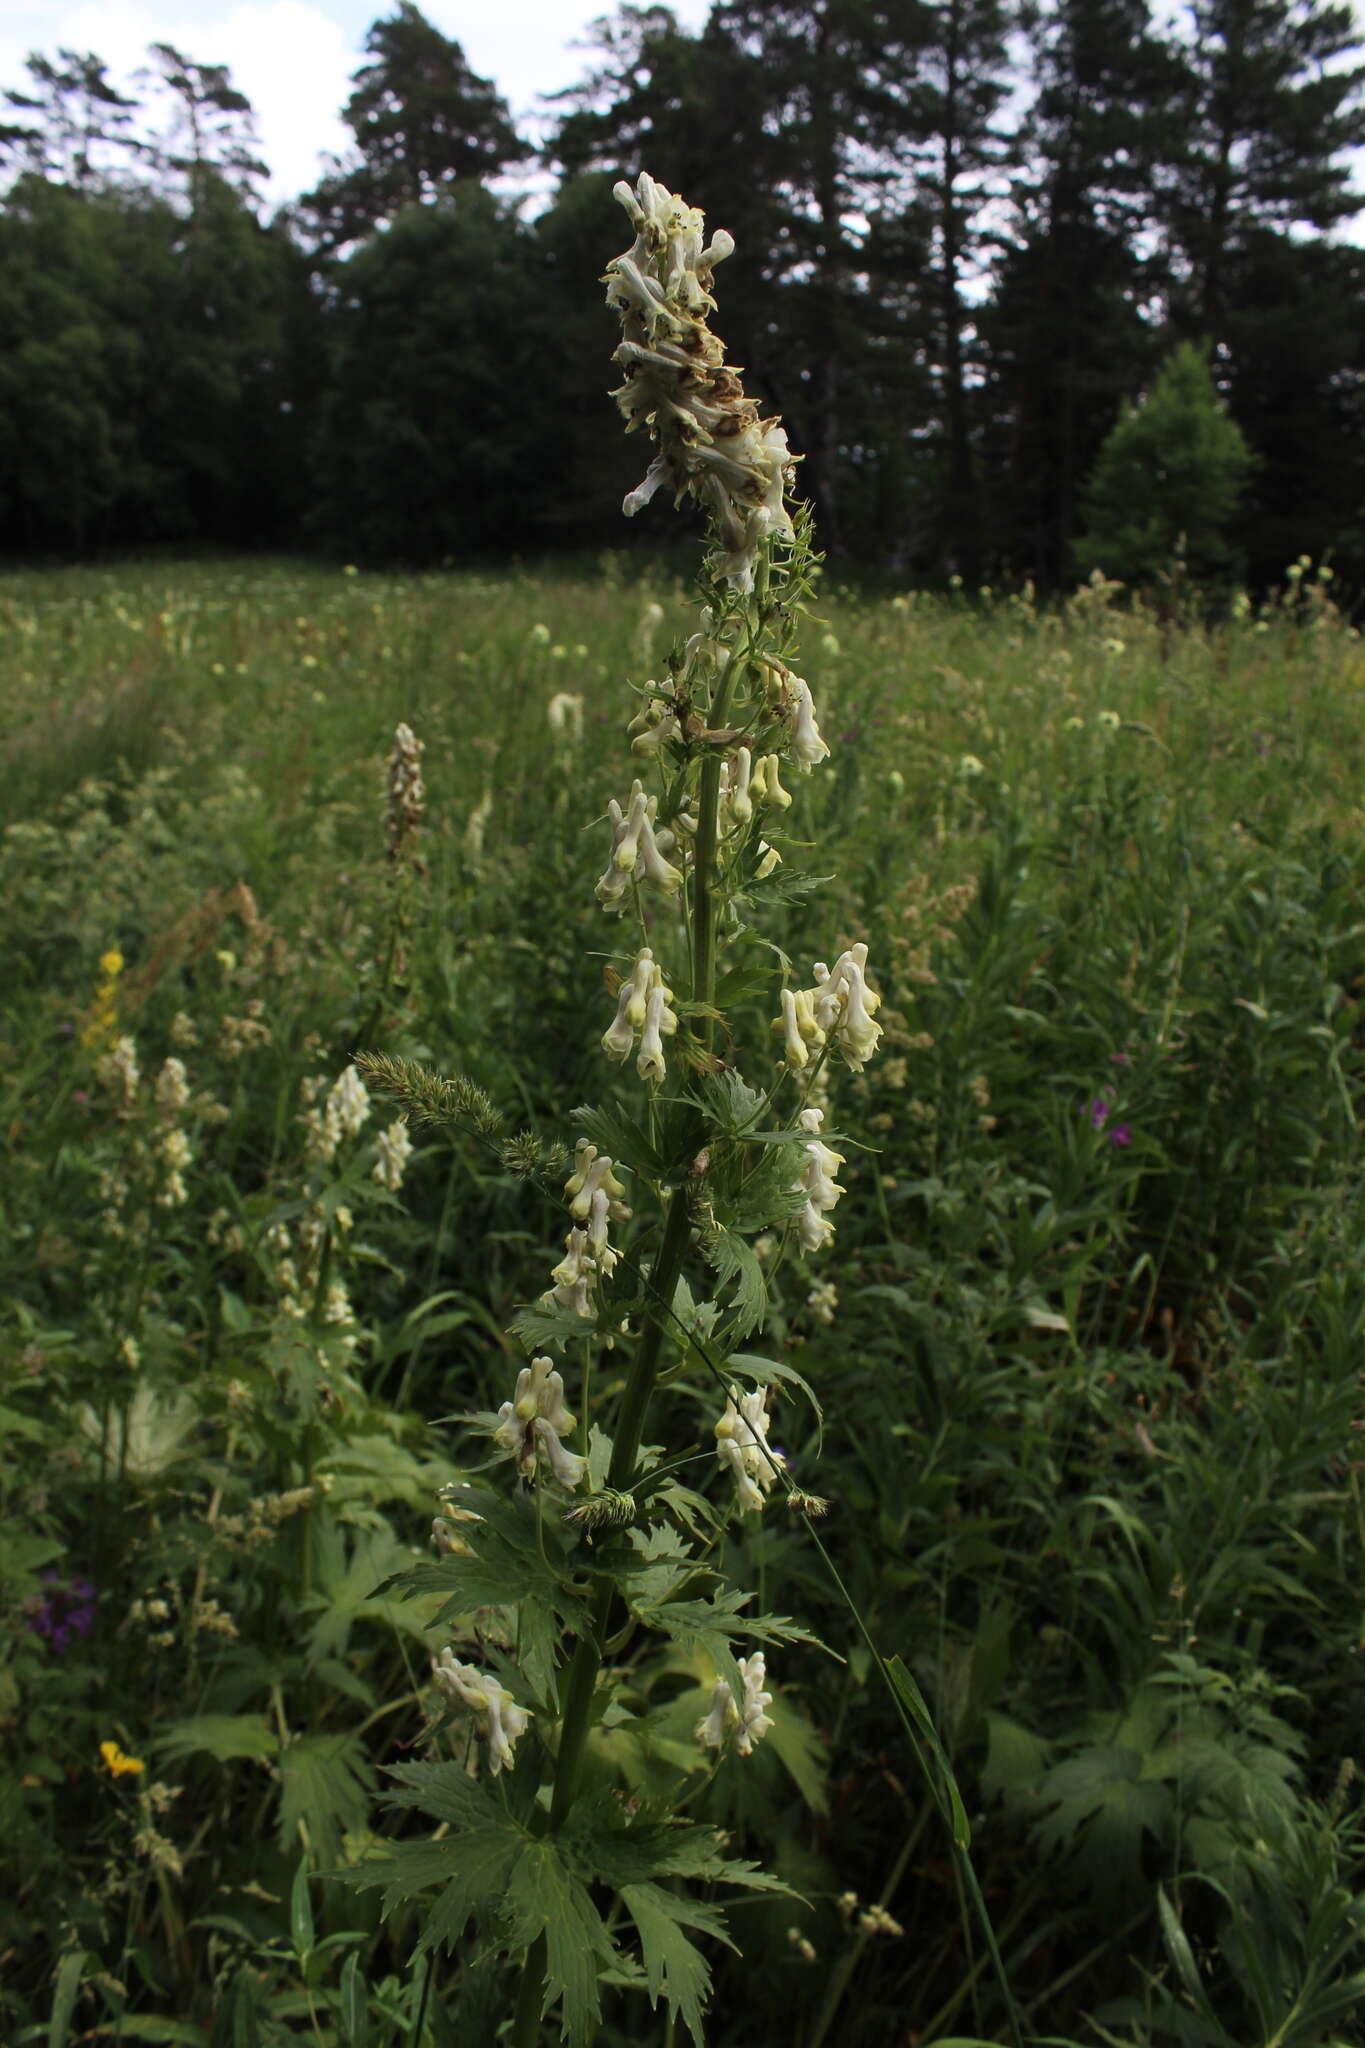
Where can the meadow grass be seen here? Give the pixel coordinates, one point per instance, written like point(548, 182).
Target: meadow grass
point(1087, 1345)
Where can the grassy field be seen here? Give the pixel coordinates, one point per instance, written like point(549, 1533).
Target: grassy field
point(1087, 1343)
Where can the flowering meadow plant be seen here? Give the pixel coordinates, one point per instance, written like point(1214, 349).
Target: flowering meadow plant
point(601, 1553)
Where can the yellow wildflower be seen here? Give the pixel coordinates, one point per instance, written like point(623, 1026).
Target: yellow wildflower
point(117, 1764)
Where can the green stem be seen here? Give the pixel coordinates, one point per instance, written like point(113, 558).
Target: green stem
point(526, 2019)
point(581, 1682)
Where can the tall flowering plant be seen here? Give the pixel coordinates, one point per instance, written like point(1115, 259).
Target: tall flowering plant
point(580, 1543)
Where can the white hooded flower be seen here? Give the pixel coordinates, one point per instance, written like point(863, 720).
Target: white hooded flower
point(791, 700)
point(839, 1010)
point(636, 851)
point(498, 1721)
point(767, 783)
point(574, 1276)
point(743, 1449)
point(712, 443)
point(595, 1200)
point(817, 1183)
point(531, 1424)
point(642, 1005)
point(747, 1723)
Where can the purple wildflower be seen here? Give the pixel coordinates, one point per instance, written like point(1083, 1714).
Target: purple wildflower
point(1099, 1113)
point(68, 1611)
point(1121, 1135)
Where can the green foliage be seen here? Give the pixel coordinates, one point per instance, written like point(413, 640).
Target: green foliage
point(1168, 481)
point(1090, 1406)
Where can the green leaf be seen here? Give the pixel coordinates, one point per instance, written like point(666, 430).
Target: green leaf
point(69, 1973)
point(1015, 1760)
point(544, 1896)
point(355, 2004)
point(626, 1141)
point(619, 1853)
point(302, 1932)
point(674, 1966)
point(732, 1258)
point(478, 1866)
point(227, 1737)
point(732, 1103)
point(767, 1372)
point(325, 1784)
point(1101, 1807)
point(172, 2033)
point(445, 1792)
point(915, 1704)
point(541, 1327)
point(346, 1587)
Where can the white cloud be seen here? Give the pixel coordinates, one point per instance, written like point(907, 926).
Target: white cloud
point(289, 57)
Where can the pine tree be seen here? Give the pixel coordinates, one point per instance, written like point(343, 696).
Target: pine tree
point(1262, 125)
point(423, 122)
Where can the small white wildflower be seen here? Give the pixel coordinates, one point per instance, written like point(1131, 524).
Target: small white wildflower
point(653, 726)
point(634, 844)
point(1108, 720)
point(642, 1005)
point(743, 1449)
point(564, 716)
point(539, 635)
point(531, 1424)
point(172, 1087)
point(173, 1150)
point(394, 1149)
point(574, 1277)
point(818, 1184)
point(839, 1010)
point(747, 1723)
point(119, 1066)
point(968, 768)
point(498, 1721)
point(595, 1199)
point(823, 1300)
point(651, 618)
point(476, 826)
point(406, 793)
point(796, 707)
point(712, 444)
point(349, 1101)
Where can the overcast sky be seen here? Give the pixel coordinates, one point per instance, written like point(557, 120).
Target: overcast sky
point(294, 58)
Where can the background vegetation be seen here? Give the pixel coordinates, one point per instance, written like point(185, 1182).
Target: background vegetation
point(1088, 1344)
point(969, 233)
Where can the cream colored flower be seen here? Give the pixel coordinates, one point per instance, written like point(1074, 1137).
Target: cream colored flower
point(818, 1184)
point(747, 1723)
point(498, 1721)
point(595, 1199)
point(532, 1423)
point(635, 845)
point(712, 443)
point(743, 1449)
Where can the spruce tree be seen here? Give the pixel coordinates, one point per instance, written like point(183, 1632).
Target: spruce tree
point(1169, 481)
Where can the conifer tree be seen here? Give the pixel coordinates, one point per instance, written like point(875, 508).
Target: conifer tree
point(422, 122)
point(1169, 481)
point(1267, 111)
